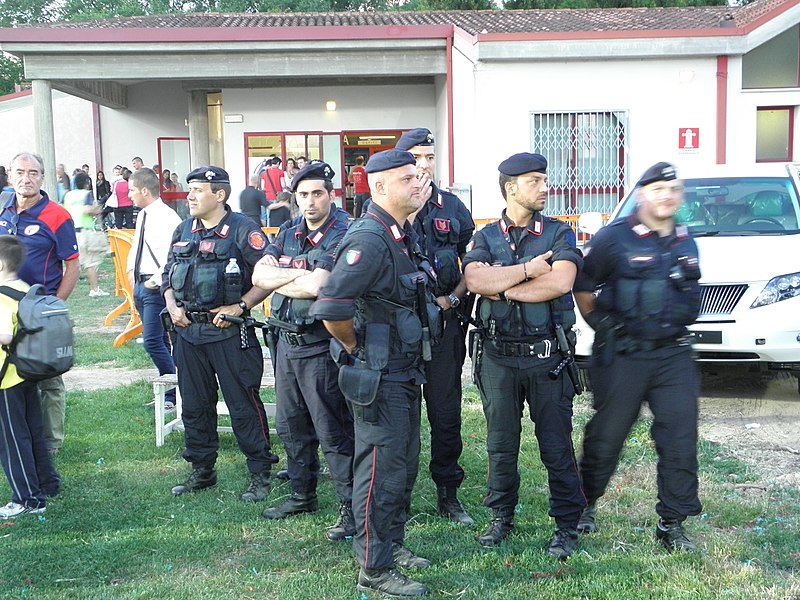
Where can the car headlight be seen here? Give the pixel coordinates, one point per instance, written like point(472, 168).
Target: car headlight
point(779, 288)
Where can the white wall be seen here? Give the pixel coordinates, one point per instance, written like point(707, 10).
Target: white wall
point(154, 110)
point(72, 122)
point(660, 95)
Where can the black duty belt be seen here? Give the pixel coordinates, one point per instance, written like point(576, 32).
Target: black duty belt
point(302, 339)
point(200, 316)
point(540, 349)
point(143, 278)
point(634, 345)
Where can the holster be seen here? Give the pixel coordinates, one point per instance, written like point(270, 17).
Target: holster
point(359, 384)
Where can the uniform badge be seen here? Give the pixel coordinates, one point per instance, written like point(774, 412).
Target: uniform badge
point(299, 263)
point(256, 240)
point(31, 230)
point(442, 225)
point(284, 260)
point(317, 238)
point(207, 246)
point(470, 245)
point(644, 259)
point(351, 257)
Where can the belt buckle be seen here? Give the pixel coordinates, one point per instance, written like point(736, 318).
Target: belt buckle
point(292, 338)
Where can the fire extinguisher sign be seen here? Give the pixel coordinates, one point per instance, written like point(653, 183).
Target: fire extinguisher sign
point(688, 140)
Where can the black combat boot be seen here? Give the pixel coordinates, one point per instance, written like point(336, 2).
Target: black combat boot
point(403, 557)
point(586, 524)
point(563, 543)
point(450, 507)
point(296, 504)
point(283, 475)
point(673, 537)
point(258, 488)
point(498, 530)
point(199, 479)
point(389, 581)
point(346, 525)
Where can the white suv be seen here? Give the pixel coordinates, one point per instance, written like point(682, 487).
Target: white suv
point(746, 223)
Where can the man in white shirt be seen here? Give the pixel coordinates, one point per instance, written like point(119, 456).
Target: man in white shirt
point(146, 261)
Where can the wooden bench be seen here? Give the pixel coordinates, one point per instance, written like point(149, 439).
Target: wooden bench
point(165, 383)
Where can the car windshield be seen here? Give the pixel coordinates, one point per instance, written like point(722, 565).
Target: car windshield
point(735, 205)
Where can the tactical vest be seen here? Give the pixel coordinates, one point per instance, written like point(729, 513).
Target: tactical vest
point(442, 229)
point(197, 277)
point(523, 320)
point(389, 326)
point(656, 293)
point(295, 310)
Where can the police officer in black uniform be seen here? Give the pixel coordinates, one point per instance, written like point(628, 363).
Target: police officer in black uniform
point(311, 410)
point(444, 226)
point(524, 266)
point(208, 274)
point(646, 270)
point(371, 306)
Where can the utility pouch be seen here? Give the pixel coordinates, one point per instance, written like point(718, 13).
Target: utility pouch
point(359, 385)
point(376, 346)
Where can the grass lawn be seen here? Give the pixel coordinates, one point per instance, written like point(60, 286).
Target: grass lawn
point(117, 532)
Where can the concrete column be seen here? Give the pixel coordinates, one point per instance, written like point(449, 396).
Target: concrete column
point(44, 137)
point(199, 153)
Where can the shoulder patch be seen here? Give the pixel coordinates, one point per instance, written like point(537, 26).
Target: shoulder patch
point(470, 245)
point(257, 240)
point(351, 257)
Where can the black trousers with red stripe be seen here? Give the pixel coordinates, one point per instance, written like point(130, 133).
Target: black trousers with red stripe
point(239, 372)
point(385, 468)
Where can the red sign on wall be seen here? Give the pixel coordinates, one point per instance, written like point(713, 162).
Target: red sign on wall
point(688, 138)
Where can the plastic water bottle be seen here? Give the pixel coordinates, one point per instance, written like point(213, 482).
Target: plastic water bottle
point(233, 275)
point(233, 282)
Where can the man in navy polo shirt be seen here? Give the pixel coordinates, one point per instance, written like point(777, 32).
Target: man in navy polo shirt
point(51, 259)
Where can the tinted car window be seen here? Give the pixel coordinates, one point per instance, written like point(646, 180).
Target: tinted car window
point(735, 206)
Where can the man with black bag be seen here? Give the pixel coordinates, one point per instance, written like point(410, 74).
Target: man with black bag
point(370, 306)
point(311, 410)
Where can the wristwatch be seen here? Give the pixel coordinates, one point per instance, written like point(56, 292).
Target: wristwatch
point(243, 305)
point(454, 300)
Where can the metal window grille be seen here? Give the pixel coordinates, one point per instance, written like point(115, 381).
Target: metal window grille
point(587, 154)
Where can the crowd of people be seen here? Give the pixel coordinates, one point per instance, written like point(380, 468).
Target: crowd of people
point(368, 318)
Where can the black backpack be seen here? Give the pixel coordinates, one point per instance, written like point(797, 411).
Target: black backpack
point(43, 345)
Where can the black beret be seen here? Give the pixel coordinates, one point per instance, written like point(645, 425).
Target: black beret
point(661, 171)
point(389, 159)
point(415, 137)
point(209, 175)
point(316, 169)
point(524, 162)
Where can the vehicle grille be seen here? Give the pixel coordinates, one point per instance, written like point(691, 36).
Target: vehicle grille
point(720, 299)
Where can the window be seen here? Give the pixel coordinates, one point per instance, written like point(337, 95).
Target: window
point(587, 155)
point(774, 139)
point(775, 64)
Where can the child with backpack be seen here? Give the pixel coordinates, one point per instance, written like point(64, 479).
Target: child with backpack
point(23, 452)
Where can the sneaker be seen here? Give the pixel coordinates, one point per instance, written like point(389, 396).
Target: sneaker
point(258, 489)
point(673, 537)
point(403, 557)
point(346, 525)
point(199, 479)
point(169, 406)
point(283, 475)
point(12, 509)
point(563, 543)
point(496, 532)
point(389, 581)
point(296, 504)
point(450, 507)
point(586, 524)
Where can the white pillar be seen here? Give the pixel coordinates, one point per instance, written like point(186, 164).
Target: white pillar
point(199, 154)
point(44, 136)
